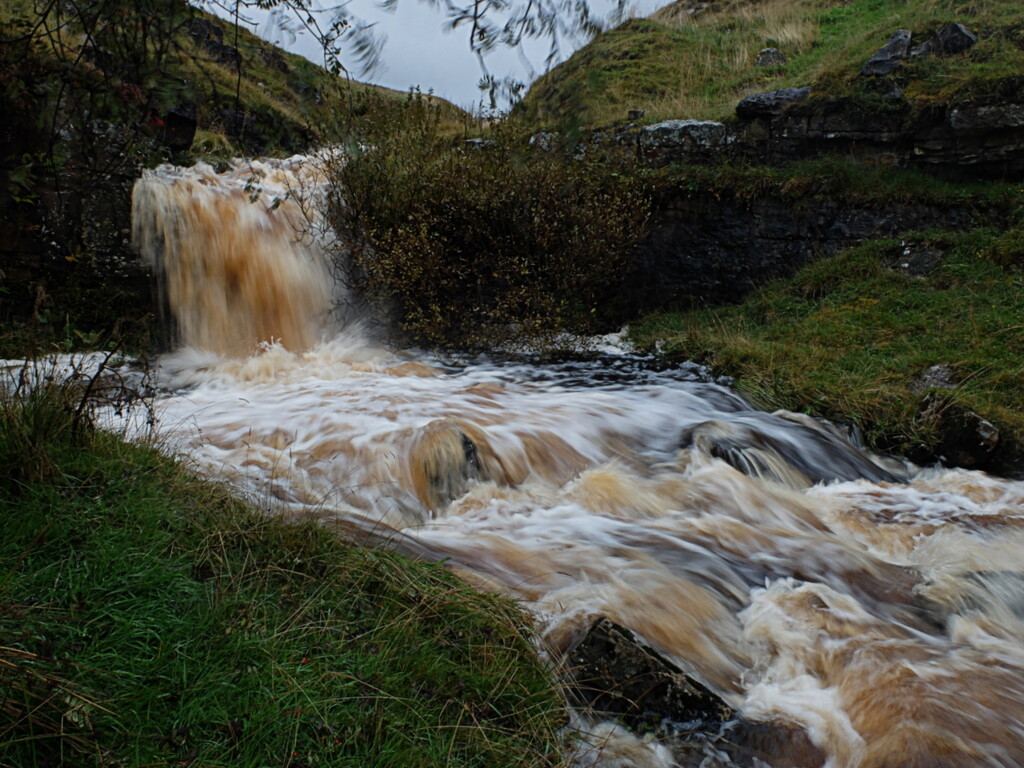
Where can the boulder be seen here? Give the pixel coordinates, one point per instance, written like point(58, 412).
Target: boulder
point(889, 57)
point(962, 437)
point(770, 103)
point(615, 675)
point(952, 39)
point(770, 57)
point(179, 127)
point(612, 673)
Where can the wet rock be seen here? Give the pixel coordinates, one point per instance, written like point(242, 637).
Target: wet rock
point(791, 450)
point(770, 103)
point(614, 674)
point(952, 39)
point(962, 437)
point(770, 57)
point(443, 463)
point(889, 57)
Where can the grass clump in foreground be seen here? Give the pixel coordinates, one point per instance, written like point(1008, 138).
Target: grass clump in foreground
point(150, 618)
point(848, 338)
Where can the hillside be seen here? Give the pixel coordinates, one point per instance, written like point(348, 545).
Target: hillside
point(92, 94)
point(697, 60)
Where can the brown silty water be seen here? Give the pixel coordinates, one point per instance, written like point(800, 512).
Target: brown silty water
point(877, 606)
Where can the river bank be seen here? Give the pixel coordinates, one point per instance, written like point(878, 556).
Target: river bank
point(916, 341)
point(154, 617)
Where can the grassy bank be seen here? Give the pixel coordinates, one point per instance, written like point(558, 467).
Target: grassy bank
point(850, 338)
point(151, 618)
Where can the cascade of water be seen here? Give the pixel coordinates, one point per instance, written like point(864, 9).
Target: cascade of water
point(877, 607)
point(236, 253)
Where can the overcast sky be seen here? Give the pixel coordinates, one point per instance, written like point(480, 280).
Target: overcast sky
point(419, 52)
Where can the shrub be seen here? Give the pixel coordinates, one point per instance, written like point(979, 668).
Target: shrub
point(494, 243)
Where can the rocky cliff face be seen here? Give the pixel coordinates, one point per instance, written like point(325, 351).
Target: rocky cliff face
point(704, 248)
point(709, 245)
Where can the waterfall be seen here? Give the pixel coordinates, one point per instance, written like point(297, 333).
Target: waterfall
point(236, 253)
point(875, 606)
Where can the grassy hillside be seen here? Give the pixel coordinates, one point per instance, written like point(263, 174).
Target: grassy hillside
point(681, 65)
point(286, 87)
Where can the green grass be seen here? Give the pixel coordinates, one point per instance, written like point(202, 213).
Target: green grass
point(678, 66)
point(151, 618)
point(847, 337)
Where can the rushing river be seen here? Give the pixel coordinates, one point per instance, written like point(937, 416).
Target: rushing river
point(875, 605)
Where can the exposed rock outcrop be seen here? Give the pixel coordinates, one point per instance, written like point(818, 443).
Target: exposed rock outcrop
point(890, 56)
point(969, 136)
point(704, 246)
point(770, 103)
point(693, 138)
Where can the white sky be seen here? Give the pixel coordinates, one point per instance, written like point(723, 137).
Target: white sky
point(419, 52)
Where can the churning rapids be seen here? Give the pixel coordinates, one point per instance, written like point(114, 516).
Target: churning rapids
point(878, 606)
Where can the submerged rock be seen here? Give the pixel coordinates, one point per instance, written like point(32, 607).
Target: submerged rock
point(793, 450)
point(614, 674)
point(444, 463)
